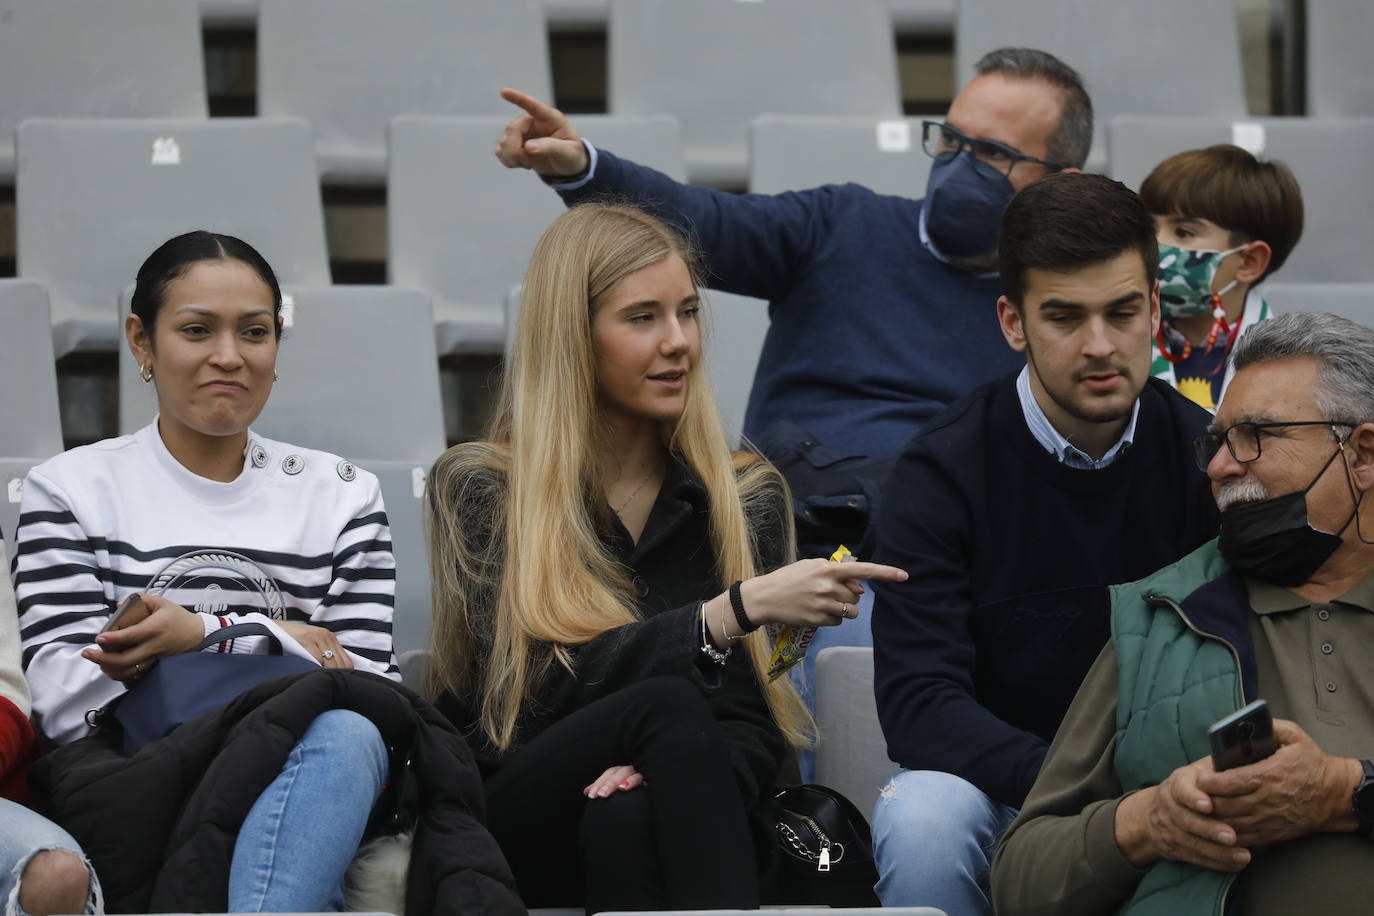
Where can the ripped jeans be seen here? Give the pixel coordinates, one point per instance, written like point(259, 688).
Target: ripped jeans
point(934, 836)
point(23, 834)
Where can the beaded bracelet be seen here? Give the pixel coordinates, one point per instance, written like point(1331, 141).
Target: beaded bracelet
point(707, 649)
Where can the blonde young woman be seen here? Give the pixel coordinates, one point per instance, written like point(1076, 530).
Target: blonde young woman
point(585, 638)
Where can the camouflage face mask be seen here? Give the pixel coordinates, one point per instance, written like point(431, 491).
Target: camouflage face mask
point(1185, 281)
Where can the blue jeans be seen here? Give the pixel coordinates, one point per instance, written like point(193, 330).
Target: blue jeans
point(23, 834)
point(934, 836)
point(296, 844)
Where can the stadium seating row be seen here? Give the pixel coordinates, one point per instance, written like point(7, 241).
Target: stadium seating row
point(359, 377)
point(93, 197)
point(142, 58)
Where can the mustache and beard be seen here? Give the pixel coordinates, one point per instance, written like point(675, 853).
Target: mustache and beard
point(1236, 492)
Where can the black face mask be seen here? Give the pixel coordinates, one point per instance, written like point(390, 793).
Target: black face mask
point(1272, 540)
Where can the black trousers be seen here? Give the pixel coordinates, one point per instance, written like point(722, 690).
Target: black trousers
point(680, 841)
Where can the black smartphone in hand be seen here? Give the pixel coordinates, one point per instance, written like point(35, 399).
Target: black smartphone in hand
point(1245, 736)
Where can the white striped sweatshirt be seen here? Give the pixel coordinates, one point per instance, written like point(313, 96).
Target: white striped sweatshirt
point(100, 522)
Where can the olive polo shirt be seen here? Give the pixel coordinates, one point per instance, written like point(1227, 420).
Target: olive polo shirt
point(1315, 663)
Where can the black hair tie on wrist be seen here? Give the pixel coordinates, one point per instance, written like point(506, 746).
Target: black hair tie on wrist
point(737, 605)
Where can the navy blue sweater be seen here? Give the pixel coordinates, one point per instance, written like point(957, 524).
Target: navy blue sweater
point(979, 653)
point(870, 335)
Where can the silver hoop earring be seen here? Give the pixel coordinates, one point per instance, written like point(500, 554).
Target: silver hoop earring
point(146, 373)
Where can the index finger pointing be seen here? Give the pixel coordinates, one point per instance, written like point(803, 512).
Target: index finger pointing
point(535, 107)
point(868, 571)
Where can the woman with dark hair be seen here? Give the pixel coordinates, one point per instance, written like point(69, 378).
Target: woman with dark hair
point(104, 521)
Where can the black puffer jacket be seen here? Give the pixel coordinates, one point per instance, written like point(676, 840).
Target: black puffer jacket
point(160, 826)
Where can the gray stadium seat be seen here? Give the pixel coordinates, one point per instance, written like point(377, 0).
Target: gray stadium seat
point(923, 17)
point(1330, 157)
point(96, 59)
point(94, 199)
point(717, 63)
point(462, 227)
point(1136, 57)
point(909, 17)
point(1340, 81)
point(360, 378)
point(231, 13)
point(1349, 300)
point(794, 152)
point(350, 66)
point(852, 753)
point(30, 431)
point(735, 329)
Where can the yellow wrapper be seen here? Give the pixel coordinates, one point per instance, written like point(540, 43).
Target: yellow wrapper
point(794, 641)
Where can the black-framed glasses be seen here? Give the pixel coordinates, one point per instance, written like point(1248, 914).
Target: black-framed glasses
point(1243, 439)
point(942, 142)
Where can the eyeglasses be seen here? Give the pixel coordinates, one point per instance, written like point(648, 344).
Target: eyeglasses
point(942, 142)
point(1243, 439)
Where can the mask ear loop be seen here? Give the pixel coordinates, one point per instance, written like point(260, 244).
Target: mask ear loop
point(1356, 496)
point(1220, 325)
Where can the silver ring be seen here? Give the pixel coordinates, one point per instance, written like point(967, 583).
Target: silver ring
point(327, 655)
point(844, 610)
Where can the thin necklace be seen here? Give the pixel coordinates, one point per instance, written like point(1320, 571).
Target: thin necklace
point(650, 473)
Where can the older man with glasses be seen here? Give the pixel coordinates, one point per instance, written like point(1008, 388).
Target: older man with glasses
point(1129, 814)
point(882, 308)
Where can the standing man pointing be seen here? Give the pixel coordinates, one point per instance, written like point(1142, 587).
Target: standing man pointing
point(882, 308)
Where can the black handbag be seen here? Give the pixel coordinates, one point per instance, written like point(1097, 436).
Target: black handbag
point(826, 849)
point(182, 687)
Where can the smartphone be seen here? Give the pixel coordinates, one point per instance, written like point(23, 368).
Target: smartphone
point(130, 611)
point(1245, 736)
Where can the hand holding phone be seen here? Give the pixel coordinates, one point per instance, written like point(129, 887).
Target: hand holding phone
point(130, 611)
point(1244, 737)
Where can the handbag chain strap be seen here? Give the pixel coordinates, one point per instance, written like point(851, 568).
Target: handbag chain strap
point(823, 859)
point(227, 560)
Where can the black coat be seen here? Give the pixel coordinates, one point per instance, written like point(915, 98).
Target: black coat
point(673, 567)
point(160, 826)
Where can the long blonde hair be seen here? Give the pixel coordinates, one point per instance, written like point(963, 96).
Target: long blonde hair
point(534, 578)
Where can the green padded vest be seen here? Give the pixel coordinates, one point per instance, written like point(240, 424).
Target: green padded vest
point(1174, 682)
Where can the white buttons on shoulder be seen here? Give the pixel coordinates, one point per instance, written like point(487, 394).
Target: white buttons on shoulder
point(293, 464)
point(258, 455)
point(346, 470)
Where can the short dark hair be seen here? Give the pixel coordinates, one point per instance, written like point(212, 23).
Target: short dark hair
point(1256, 201)
point(1073, 138)
point(176, 255)
point(1068, 220)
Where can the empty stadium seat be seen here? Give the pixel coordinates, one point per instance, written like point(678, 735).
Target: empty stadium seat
point(360, 378)
point(95, 59)
point(715, 64)
point(95, 197)
point(462, 227)
point(794, 152)
point(1329, 156)
point(350, 66)
point(1340, 81)
point(851, 755)
point(30, 431)
point(735, 328)
point(1136, 57)
point(233, 13)
point(1349, 300)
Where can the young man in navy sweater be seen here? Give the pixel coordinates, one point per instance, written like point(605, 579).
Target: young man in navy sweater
point(881, 307)
point(1013, 511)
